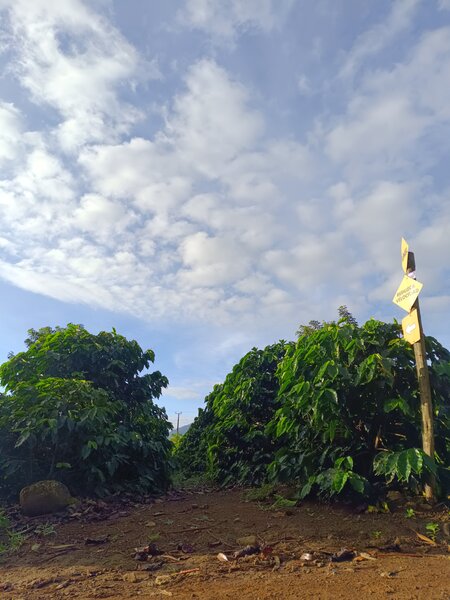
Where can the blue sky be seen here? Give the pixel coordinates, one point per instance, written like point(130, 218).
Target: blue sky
point(205, 175)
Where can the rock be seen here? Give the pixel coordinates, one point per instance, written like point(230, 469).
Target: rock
point(163, 579)
point(44, 497)
point(248, 540)
point(394, 496)
point(132, 577)
point(424, 507)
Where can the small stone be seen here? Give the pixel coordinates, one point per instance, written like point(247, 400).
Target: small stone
point(132, 577)
point(163, 579)
point(425, 507)
point(248, 540)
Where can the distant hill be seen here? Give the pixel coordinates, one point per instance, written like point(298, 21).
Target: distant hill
point(182, 430)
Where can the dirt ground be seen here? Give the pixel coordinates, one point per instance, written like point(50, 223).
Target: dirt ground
point(292, 553)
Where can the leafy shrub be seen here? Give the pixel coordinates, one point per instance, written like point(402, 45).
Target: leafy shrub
point(227, 439)
point(325, 412)
point(349, 391)
point(78, 410)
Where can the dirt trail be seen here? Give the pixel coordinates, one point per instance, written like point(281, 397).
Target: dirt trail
point(84, 559)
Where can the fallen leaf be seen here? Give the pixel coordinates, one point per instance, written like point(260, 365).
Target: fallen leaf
point(365, 556)
point(425, 539)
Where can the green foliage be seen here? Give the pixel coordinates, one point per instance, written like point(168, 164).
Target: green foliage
point(45, 529)
point(228, 438)
point(192, 451)
point(78, 410)
point(282, 502)
point(260, 493)
point(337, 412)
point(10, 540)
point(349, 391)
point(403, 465)
point(432, 530)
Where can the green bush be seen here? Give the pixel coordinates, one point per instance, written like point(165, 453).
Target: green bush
point(227, 440)
point(78, 410)
point(325, 412)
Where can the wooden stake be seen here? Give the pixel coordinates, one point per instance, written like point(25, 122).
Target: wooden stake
point(426, 401)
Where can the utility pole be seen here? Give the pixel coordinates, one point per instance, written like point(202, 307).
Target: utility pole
point(178, 421)
point(407, 297)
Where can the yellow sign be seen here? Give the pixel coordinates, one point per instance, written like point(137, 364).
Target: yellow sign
point(411, 328)
point(407, 293)
point(404, 250)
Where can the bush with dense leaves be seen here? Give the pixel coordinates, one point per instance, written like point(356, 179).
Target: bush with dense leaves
point(78, 409)
point(228, 440)
point(337, 411)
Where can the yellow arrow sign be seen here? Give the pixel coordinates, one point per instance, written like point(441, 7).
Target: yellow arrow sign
point(404, 251)
point(411, 327)
point(407, 293)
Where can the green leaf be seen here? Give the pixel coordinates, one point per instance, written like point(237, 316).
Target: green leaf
point(339, 480)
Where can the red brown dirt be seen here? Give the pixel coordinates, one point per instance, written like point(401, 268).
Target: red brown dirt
point(61, 565)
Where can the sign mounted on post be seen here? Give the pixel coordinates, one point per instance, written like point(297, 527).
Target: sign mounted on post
point(411, 327)
point(406, 297)
point(407, 293)
point(404, 251)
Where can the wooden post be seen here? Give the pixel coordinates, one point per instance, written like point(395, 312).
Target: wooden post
point(426, 401)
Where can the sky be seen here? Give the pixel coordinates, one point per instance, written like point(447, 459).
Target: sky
point(207, 175)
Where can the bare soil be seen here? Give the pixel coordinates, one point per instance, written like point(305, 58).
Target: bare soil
point(90, 552)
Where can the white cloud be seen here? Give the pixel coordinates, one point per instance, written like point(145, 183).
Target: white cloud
point(10, 132)
point(210, 215)
point(395, 111)
point(211, 122)
point(444, 4)
point(381, 35)
point(70, 58)
point(224, 20)
point(304, 85)
point(102, 218)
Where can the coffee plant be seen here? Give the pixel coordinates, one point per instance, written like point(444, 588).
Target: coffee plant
point(77, 409)
point(336, 412)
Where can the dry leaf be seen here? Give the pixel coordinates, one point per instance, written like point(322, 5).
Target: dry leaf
point(425, 539)
point(365, 556)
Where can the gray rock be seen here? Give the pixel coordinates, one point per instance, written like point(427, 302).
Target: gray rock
point(44, 497)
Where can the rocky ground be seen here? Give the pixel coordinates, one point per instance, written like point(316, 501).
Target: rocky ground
point(219, 545)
